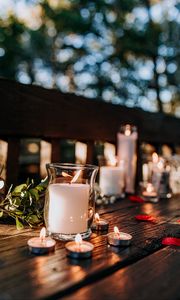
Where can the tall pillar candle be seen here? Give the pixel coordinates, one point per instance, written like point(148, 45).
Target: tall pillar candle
point(127, 151)
point(68, 208)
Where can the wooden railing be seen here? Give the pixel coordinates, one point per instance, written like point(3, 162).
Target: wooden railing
point(33, 112)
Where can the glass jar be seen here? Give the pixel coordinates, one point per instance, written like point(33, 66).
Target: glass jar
point(127, 151)
point(70, 200)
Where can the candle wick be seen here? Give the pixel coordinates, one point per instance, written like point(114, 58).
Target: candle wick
point(78, 246)
point(42, 240)
point(118, 234)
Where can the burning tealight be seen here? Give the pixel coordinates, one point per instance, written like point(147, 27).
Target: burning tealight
point(150, 193)
point(118, 238)
point(79, 248)
point(100, 224)
point(41, 244)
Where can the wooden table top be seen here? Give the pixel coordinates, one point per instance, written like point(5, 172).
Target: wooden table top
point(145, 270)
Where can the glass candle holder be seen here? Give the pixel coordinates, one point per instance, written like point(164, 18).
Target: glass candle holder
point(70, 200)
point(127, 151)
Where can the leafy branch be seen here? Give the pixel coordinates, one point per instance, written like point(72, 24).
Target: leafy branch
point(25, 204)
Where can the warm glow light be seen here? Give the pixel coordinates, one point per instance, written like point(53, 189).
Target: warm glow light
point(127, 130)
point(1, 184)
point(168, 168)
point(149, 188)
point(33, 148)
point(145, 171)
point(3, 158)
point(76, 176)
point(64, 174)
point(116, 230)
point(160, 164)
point(42, 234)
point(80, 152)
point(45, 157)
point(78, 239)
point(155, 158)
point(112, 161)
point(109, 153)
point(97, 217)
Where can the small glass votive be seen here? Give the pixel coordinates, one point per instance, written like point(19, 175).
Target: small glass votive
point(149, 193)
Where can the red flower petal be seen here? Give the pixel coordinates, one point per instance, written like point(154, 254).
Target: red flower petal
point(136, 199)
point(145, 218)
point(171, 241)
point(178, 221)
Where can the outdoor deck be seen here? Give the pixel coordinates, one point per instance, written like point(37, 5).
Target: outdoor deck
point(145, 270)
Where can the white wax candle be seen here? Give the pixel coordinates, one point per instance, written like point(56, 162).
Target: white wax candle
point(145, 171)
point(158, 168)
point(68, 208)
point(111, 180)
point(127, 152)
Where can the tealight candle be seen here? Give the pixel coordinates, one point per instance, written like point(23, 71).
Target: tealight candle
point(100, 224)
point(150, 193)
point(118, 238)
point(41, 244)
point(79, 248)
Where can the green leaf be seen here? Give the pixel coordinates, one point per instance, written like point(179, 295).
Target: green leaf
point(19, 225)
point(1, 213)
point(16, 202)
point(34, 193)
point(18, 189)
point(19, 212)
point(33, 219)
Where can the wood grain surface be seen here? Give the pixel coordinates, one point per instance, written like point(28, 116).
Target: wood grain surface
point(112, 273)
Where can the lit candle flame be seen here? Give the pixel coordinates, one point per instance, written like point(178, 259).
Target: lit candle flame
point(149, 188)
point(76, 176)
point(78, 239)
point(127, 130)
point(1, 184)
point(116, 230)
point(42, 234)
point(97, 218)
point(155, 158)
point(64, 174)
point(112, 160)
point(160, 164)
point(168, 168)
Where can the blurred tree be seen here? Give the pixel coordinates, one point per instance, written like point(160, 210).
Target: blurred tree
point(125, 52)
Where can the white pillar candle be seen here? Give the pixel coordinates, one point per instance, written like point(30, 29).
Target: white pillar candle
point(68, 208)
point(145, 171)
point(127, 144)
point(111, 180)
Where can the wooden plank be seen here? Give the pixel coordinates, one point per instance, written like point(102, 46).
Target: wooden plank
point(55, 275)
point(154, 277)
point(71, 116)
point(12, 163)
